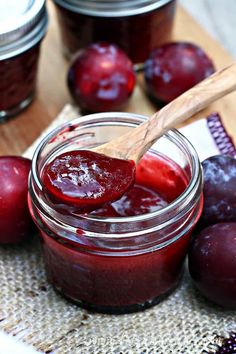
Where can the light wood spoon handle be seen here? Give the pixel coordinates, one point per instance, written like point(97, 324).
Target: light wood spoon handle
point(135, 143)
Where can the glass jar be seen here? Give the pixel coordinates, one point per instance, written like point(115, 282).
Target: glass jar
point(22, 27)
point(137, 26)
point(116, 264)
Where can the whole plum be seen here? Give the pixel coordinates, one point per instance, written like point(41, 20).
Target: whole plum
point(15, 220)
point(101, 78)
point(219, 190)
point(212, 263)
point(174, 68)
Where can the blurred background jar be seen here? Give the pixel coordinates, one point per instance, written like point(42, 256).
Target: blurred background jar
point(137, 26)
point(23, 24)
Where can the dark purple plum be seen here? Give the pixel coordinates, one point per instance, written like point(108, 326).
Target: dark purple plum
point(174, 68)
point(219, 190)
point(101, 78)
point(212, 263)
point(15, 220)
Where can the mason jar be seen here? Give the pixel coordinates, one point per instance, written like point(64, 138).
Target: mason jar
point(137, 26)
point(118, 264)
point(23, 24)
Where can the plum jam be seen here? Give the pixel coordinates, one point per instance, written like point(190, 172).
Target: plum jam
point(135, 26)
point(22, 27)
point(85, 180)
point(128, 254)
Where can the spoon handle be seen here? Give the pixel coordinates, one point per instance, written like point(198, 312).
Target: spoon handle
point(192, 101)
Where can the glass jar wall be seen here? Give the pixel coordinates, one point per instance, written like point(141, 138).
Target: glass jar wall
point(119, 264)
point(137, 26)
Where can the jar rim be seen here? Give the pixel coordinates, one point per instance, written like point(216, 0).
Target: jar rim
point(173, 135)
point(111, 8)
point(23, 33)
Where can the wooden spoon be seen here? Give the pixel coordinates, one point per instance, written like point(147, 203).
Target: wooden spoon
point(134, 144)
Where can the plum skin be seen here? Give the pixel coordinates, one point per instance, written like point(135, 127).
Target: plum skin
point(101, 78)
point(219, 190)
point(15, 220)
point(174, 68)
point(212, 263)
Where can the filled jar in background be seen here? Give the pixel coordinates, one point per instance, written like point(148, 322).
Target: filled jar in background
point(113, 263)
point(137, 26)
point(23, 25)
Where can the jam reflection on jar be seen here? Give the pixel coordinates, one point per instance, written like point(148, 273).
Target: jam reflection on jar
point(21, 32)
point(127, 255)
point(137, 27)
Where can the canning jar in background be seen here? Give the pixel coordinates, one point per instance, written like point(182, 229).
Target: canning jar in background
point(117, 264)
point(137, 26)
point(23, 24)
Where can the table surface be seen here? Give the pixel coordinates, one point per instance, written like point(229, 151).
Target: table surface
point(18, 133)
point(218, 18)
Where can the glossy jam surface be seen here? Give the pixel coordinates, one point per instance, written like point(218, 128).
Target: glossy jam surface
point(18, 81)
point(136, 201)
point(149, 193)
point(117, 280)
point(137, 35)
point(85, 179)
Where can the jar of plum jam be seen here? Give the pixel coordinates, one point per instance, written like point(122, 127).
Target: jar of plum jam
point(127, 255)
point(22, 26)
point(137, 26)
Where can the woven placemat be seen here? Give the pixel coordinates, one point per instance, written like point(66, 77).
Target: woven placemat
point(31, 310)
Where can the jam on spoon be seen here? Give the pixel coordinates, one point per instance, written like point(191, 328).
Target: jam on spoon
point(86, 179)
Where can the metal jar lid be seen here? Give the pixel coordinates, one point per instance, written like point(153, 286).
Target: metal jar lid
point(111, 8)
point(22, 24)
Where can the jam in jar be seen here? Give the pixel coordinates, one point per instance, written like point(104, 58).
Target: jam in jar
point(22, 27)
point(129, 254)
point(135, 26)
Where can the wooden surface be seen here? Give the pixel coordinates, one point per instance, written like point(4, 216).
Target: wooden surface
point(18, 133)
point(218, 18)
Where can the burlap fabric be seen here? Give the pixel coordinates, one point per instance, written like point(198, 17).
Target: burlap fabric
point(31, 310)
